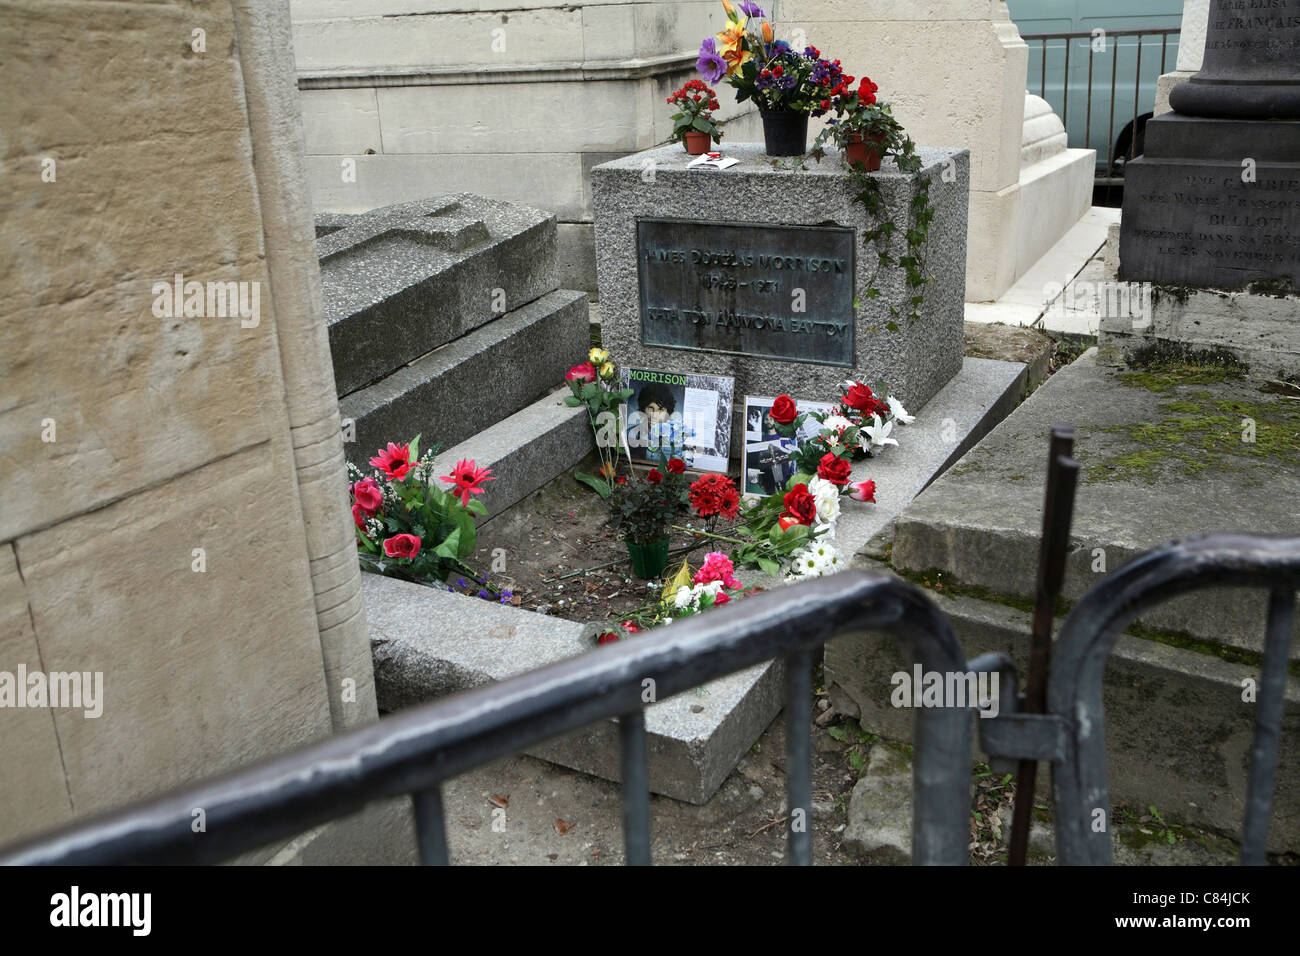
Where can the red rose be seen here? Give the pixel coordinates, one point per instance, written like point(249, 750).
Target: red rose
point(783, 410)
point(402, 546)
point(800, 505)
point(858, 396)
point(785, 521)
point(863, 491)
point(825, 105)
point(631, 627)
point(359, 517)
point(366, 493)
point(676, 466)
point(835, 470)
point(654, 477)
point(720, 598)
point(609, 637)
point(585, 372)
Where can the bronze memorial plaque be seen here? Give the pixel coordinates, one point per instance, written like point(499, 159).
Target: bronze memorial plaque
point(776, 292)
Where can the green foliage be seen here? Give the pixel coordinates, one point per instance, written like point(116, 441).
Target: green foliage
point(641, 510)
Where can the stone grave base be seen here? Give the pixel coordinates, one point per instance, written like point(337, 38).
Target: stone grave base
point(428, 643)
point(1259, 330)
point(1162, 457)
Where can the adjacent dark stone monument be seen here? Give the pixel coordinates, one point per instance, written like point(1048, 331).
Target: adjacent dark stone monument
point(1215, 199)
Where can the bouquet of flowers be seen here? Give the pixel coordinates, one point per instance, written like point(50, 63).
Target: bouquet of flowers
point(779, 79)
point(857, 428)
point(695, 104)
point(714, 585)
point(642, 510)
point(592, 384)
point(406, 524)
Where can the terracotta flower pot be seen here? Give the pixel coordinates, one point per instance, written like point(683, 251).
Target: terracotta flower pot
point(697, 143)
point(864, 151)
point(649, 560)
point(785, 132)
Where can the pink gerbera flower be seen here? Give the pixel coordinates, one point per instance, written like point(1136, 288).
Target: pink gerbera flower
point(394, 462)
point(466, 479)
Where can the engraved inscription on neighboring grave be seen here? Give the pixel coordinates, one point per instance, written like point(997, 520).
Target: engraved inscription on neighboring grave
point(777, 292)
point(1205, 220)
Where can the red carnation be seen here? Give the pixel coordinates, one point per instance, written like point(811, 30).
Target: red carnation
point(784, 410)
point(800, 505)
point(402, 546)
point(835, 470)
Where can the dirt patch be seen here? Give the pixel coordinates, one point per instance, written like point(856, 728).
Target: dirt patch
point(556, 553)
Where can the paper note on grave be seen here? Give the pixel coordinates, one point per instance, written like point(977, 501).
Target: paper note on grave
point(701, 417)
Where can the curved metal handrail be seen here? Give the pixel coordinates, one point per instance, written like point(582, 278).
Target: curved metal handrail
point(416, 750)
point(1089, 633)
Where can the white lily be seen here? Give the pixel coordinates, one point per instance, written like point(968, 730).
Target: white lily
point(878, 433)
point(898, 411)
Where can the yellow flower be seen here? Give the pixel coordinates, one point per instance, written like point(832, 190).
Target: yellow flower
point(607, 371)
point(731, 45)
point(598, 357)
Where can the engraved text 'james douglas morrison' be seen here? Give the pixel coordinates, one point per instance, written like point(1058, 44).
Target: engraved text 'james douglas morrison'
point(779, 292)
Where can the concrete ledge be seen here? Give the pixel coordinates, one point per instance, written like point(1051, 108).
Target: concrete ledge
point(1178, 733)
point(429, 643)
point(527, 449)
point(1261, 330)
point(456, 391)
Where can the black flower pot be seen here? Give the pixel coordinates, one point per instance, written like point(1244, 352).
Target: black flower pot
point(785, 132)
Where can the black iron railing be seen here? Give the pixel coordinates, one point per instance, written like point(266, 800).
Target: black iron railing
point(1055, 80)
point(415, 751)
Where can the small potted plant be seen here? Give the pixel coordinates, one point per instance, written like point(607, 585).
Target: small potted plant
point(642, 510)
point(863, 128)
point(693, 122)
point(787, 85)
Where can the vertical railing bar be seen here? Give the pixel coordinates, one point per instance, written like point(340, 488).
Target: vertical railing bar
point(636, 789)
point(430, 829)
point(1164, 45)
point(1137, 88)
point(1042, 85)
point(1110, 128)
point(1065, 88)
point(1087, 118)
point(1268, 728)
point(798, 751)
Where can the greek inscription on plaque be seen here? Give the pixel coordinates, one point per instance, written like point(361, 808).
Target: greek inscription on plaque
point(776, 292)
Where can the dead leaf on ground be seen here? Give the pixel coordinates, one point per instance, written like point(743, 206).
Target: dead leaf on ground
point(499, 800)
point(562, 828)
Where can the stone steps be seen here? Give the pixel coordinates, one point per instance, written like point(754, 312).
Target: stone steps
point(404, 280)
point(471, 384)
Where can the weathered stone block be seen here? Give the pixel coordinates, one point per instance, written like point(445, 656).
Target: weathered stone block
point(916, 360)
point(401, 281)
point(466, 386)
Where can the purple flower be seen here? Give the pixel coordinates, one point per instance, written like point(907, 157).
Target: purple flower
point(751, 9)
point(506, 596)
point(460, 582)
point(485, 595)
point(710, 64)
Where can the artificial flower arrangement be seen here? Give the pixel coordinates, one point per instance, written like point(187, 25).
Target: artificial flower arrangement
point(409, 526)
point(693, 123)
point(787, 85)
point(592, 384)
point(687, 593)
point(642, 511)
point(859, 425)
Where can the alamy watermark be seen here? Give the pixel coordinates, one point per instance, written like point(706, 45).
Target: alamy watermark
point(208, 300)
point(1110, 300)
point(960, 689)
point(78, 690)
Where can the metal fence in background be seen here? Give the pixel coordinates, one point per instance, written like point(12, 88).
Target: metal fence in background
point(1071, 72)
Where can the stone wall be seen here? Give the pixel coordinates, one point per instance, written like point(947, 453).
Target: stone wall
point(511, 100)
point(174, 514)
